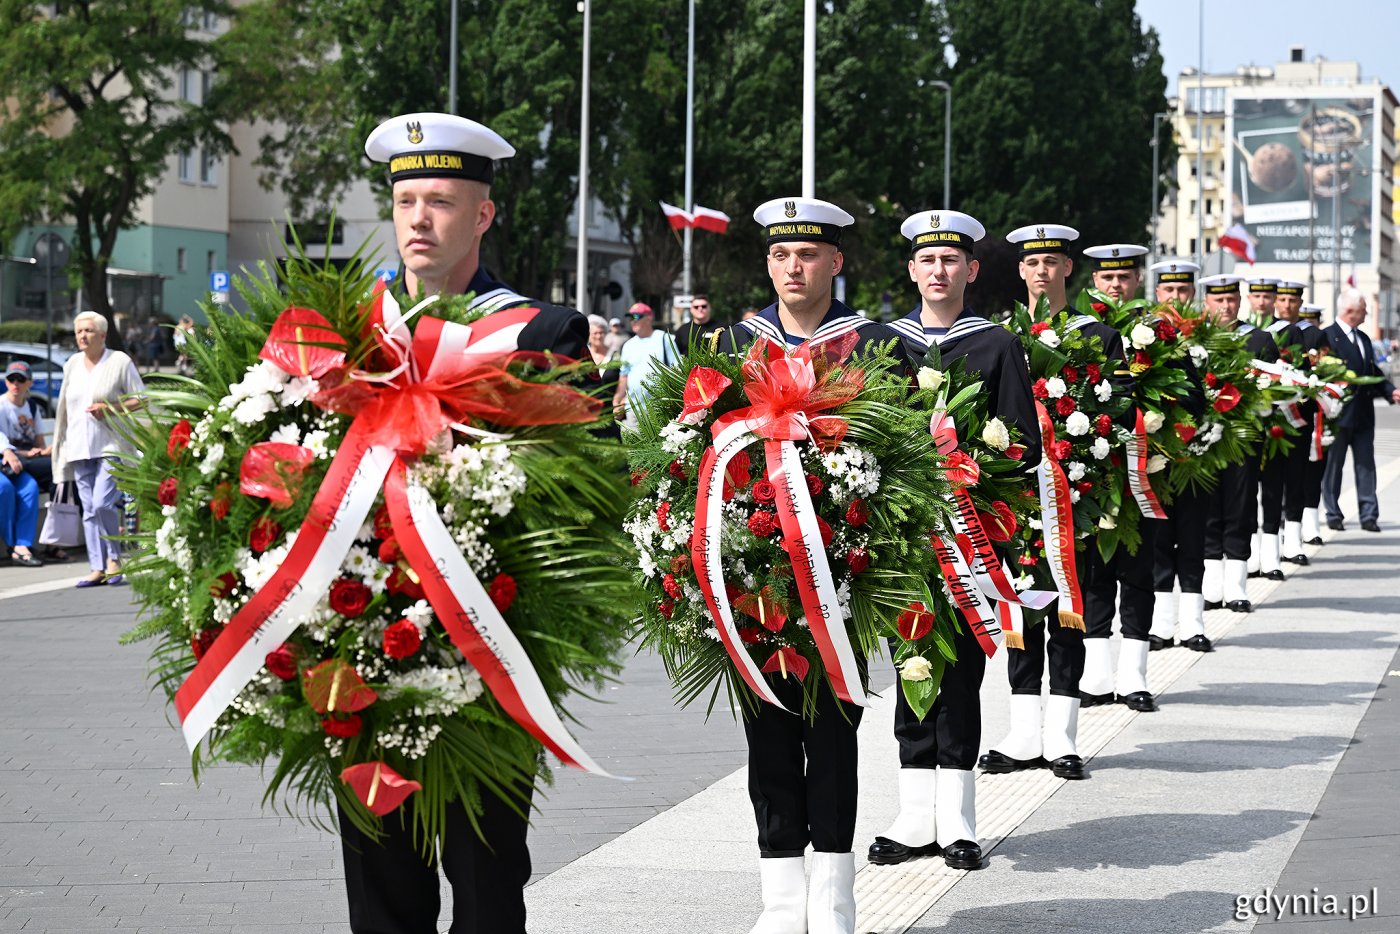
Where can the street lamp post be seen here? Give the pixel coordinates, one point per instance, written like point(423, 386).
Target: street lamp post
point(1157, 119)
point(452, 63)
point(689, 148)
point(581, 269)
point(947, 142)
point(809, 99)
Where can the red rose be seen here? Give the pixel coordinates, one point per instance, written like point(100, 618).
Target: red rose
point(681, 564)
point(389, 550)
point(1000, 523)
point(1115, 459)
point(761, 523)
point(1040, 327)
point(1229, 398)
point(222, 501)
point(502, 591)
point(342, 727)
point(815, 485)
point(1098, 307)
point(281, 663)
point(1070, 374)
point(1065, 405)
point(1014, 451)
point(662, 512)
point(676, 470)
point(1276, 431)
point(383, 525)
point(857, 513)
point(1165, 331)
point(166, 493)
point(750, 635)
point(1142, 358)
point(962, 470)
point(671, 586)
point(764, 492)
point(824, 529)
point(402, 639)
point(1211, 380)
point(638, 476)
point(1061, 449)
point(857, 559)
point(914, 623)
point(1103, 425)
point(666, 608)
point(179, 439)
point(1185, 432)
point(402, 584)
point(264, 532)
point(225, 583)
point(203, 639)
point(1093, 371)
point(1084, 486)
point(1038, 389)
point(349, 597)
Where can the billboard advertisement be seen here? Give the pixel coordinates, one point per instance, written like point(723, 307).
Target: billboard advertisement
point(1304, 173)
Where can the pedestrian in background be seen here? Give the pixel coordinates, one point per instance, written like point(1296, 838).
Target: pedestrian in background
point(697, 323)
point(615, 337)
point(647, 348)
point(19, 491)
point(98, 383)
point(601, 380)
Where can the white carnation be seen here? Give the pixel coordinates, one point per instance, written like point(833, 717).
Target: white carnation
point(1076, 471)
point(1104, 390)
point(1049, 338)
point(1100, 448)
point(1077, 424)
point(1198, 353)
point(287, 434)
point(1054, 386)
point(299, 390)
point(996, 436)
point(212, 459)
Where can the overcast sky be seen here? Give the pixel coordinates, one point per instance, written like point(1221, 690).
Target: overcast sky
point(1260, 32)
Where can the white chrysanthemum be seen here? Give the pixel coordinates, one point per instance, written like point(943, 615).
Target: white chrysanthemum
point(299, 390)
point(1049, 338)
point(1153, 421)
point(287, 434)
point(1077, 424)
point(1104, 390)
point(1055, 387)
point(1076, 471)
point(318, 442)
point(1074, 496)
point(996, 436)
point(359, 561)
point(675, 438)
point(1142, 336)
point(1100, 448)
point(420, 614)
point(254, 409)
point(1198, 353)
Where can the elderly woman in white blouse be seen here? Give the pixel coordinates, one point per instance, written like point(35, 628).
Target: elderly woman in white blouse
point(98, 383)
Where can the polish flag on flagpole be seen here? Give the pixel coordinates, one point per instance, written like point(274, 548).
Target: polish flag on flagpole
point(1238, 242)
point(711, 220)
point(678, 218)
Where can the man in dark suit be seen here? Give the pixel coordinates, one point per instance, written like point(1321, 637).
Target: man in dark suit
point(1355, 428)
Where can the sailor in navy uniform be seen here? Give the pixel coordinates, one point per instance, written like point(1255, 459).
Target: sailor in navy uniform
point(1179, 545)
point(1234, 503)
point(1264, 546)
point(1314, 342)
point(802, 772)
point(1292, 342)
point(441, 167)
point(937, 796)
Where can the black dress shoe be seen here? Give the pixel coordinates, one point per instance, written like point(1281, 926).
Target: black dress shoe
point(1095, 700)
point(1276, 575)
point(1315, 540)
point(1001, 764)
point(1336, 525)
point(1140, 701)
point(1211, 604)
point(1254, 574)
point(963, 854)
point(1155, 644)
point(887, 852)
point(1199, 644)
point(1070, 767)
point(1240, 606)
point(1300, 560)
point(1370, 527)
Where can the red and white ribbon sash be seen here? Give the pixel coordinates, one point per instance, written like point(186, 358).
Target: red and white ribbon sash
point(1330, 399)
point(986, 565)
point(1315, 449)
point(1293, 414)
point(1138, 482)
point(1013, 622)
point(1057, 520)
point(963, 589)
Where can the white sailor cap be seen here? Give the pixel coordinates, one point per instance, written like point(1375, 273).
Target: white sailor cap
point(1262, 284)
point(1310, 311)
point(1222, 284)
point(790, 219)
point(433, 145)
point(1043, 238)
point(1116, 256)
point(1175, 270)
point(1291, 287)
point(942, 228)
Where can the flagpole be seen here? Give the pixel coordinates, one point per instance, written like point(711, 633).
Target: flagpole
point(689, 147)
point(809, 100)
point(581, 272)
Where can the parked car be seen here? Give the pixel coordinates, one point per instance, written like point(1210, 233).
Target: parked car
point(46, 385)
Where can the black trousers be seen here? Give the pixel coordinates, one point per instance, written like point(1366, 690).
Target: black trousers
point(1233, 512)
point(1312, 482)
point(951, 733)
point(1179, 546)
point(802, 774)
point(393, 890)
point(1295, 481)
point(1272, 480)
point(1025, 668)
point(1123, 583)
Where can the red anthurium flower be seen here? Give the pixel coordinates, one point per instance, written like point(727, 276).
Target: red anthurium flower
point(914, 623)
point(334, 686)
point(737, 470)
point(702, 390)
point(342, 727)
point(502, 591)
point(764, 607)
point(379, 787)
point(303, 343)
point(962, 470)
point(1015, 451)
point(1000, 523)
point(1185, 432)
point(167, 491)
point(749, 635)
point(274, 470)
point(403, 582)
point(179, 439)
point(402, 639)
point(1229, 398)
point(787, 661)
point(281, 663)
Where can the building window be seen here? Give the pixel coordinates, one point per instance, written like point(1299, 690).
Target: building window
point(1192, 251)
point(212, 261)
point(208, 168)
point(211, 21)
point(1210, 209)
point(1214, 100)
point(181, 265)
point(187, 166)
point(1209, 245)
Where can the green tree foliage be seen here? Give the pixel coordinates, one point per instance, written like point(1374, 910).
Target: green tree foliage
point(1053, 122)
point(93, 119)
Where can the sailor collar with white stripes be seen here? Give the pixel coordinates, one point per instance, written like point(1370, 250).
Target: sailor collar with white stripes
point(488, 293)
point(968, 322)
point(1278, 325)
point(839, 320)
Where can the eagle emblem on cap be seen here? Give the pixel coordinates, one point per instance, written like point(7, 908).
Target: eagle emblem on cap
point(1115, 251)
point(789, 208)
point(415, 132)
point(1040, 233)
point(1173, 267)
point(935, 221)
